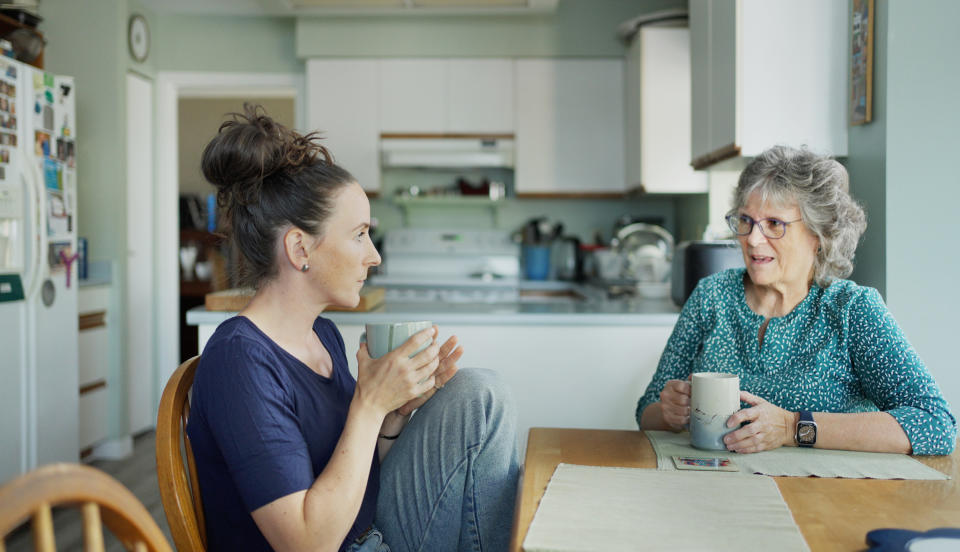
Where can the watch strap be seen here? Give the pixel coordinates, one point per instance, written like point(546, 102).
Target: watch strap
point(806, 419)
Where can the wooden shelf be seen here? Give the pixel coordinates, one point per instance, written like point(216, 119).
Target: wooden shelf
point(9, 24)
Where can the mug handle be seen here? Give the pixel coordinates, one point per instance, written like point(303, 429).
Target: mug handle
point(363, 336)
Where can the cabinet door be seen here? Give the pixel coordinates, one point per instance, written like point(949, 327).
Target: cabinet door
point(413, 95)
point(699, 78)
point(570, 126)
point(479, 96)
point(342, 103)
point(665, 112)
point(723, 103)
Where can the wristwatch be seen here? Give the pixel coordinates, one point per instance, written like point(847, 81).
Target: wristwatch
point(806, 435)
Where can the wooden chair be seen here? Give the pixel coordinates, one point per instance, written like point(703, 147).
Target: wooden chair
point(102, 500)
point(179, 490)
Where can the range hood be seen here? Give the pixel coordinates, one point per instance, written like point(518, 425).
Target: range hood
point(459, 151)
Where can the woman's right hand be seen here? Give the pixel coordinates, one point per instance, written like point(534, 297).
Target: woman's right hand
point(392, 380)
point(675, 404)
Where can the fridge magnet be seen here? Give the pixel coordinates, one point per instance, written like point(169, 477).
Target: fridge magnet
point(4, 155)
point(54, 257)
point(66, 259)
point(58, 220)
point(71, 154)
point(48, 80)
point(47, 117)
point(41, 144)
point(861, 63)
point(61, 149)
point(12, 71)
point(50, 176)
point(3, 173)
point(37, 81)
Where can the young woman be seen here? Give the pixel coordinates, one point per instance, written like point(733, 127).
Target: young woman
point(292, 453)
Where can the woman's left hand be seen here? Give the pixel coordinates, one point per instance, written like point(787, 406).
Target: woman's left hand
point(450, 353)
point(769, 426)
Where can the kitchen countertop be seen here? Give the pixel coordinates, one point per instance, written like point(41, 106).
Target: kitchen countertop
point(594, 310)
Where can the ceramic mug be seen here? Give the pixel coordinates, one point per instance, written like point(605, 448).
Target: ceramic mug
point(383, 338)
point(714, 397)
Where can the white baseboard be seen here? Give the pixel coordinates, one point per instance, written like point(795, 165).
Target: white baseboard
point(112, 449)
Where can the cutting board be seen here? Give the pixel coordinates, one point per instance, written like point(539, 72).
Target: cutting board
point(233, 300)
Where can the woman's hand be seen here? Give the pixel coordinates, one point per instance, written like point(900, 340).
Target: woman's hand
point(395, 379)
point(770, 426)
point(450, 353)
point(675, 404)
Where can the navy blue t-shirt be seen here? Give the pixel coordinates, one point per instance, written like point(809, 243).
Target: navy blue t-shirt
point(262, 426)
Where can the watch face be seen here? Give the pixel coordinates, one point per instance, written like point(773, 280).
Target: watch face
point(139, 38)
point(806, 434)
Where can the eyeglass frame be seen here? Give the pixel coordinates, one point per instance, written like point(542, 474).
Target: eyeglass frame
point(731, 218)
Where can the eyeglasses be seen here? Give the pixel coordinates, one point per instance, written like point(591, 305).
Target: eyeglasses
point(772, 228)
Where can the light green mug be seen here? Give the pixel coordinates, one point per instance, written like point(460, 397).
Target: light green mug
point(383, 338)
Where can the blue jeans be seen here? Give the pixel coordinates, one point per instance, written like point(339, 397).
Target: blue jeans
point(449, 483)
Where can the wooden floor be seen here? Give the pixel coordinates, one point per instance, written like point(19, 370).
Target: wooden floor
point(138, 473)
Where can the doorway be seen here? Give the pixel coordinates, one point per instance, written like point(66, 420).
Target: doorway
point(171, 88)
point(207, 263)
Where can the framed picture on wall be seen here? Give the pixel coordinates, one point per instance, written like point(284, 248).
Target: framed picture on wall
point(861, 62)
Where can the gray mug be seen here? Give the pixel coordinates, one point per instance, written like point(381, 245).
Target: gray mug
point(383, 338)
point(714, 397)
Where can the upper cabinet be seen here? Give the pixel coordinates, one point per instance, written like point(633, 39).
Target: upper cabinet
point(446, 96)
point(570, 127)
point(767, 72)
point(658, 112)
point(342, 104)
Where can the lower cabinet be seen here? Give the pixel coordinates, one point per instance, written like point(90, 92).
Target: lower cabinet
point(580, 376)
point(93, 365)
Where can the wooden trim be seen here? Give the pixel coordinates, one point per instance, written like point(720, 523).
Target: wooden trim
point(93, 386)
point(571, 195)
point(720, 154)
point(434, 135)
point(716, 156)
point(90, 320)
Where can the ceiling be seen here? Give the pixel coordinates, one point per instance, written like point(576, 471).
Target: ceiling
point(294, 8)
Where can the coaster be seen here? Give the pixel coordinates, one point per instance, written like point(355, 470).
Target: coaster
point(706, 463)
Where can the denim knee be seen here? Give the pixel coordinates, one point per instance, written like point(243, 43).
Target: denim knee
point(485, 392)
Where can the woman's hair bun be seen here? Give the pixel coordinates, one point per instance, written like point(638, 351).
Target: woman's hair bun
point(251, 147)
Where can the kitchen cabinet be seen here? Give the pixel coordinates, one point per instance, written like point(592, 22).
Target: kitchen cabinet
point(767, 72)
point(561, 376)
point(446, 96)
point(93, 364)
point(343, 104)
point(658, 112)
point(570, 127)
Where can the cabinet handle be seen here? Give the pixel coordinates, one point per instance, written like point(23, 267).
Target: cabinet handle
point(90, 320)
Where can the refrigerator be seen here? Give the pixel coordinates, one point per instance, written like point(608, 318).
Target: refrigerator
point(38, 269)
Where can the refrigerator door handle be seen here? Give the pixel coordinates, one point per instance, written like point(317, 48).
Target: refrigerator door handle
point(36, 205)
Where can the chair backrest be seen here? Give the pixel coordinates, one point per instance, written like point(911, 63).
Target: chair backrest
point(179, 490)
point(102, 501)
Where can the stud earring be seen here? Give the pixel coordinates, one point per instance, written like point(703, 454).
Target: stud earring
point(305, 267)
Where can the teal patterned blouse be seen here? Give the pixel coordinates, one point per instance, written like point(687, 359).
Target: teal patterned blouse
point(839, 350)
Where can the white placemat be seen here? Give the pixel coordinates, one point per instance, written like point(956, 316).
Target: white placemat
point(588, 508)
point(800, 462)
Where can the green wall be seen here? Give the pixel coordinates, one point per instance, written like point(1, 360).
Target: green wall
point(226, 44)
point(867, 165)
point(923, 184)
point(578, 28)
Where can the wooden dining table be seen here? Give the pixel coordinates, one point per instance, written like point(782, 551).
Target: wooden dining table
point(832, 513)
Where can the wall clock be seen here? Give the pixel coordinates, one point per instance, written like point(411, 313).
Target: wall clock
point(138, 38)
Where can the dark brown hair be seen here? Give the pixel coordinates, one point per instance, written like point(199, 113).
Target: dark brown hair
point(268, 178)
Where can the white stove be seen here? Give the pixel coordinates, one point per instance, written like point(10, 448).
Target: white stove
point(456, 266)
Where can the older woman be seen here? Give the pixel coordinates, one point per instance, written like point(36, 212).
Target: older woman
point(821, 360)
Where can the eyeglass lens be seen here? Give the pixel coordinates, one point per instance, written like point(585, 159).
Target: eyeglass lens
point(769, 227)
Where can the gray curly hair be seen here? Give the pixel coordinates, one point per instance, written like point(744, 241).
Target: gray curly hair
point(819, 186)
